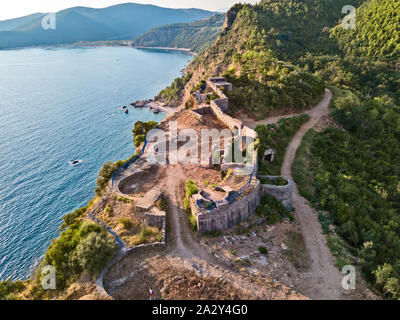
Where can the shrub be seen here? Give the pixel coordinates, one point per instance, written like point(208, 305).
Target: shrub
point(125, 200)
point(93, 252)
point(163, 204)
point(280, 181)
point(190, 189)
point(145, 233)
point(61, 251)
point(263, 250)
point(9, 289)
point(126, 222)
point(140, 131)
point(193, 221)
point(105, 175)
point(72, 218)
point(272, 209)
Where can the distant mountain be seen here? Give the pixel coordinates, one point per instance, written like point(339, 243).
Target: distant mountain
point(197, 36)
point(119, 22)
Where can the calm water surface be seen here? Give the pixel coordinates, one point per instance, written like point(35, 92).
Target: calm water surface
point(58, 105)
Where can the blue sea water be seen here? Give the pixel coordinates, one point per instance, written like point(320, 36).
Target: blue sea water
point(58, 105)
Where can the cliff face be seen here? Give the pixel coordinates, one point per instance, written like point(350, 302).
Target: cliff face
point(230, 18)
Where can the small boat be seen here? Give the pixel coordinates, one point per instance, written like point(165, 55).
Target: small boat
point(156, 111)
point(75, 162)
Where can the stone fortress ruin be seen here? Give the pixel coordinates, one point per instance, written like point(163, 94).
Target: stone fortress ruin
point(228, 192)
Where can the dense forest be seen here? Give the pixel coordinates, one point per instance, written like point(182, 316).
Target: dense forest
point(197, 36)
point(377, 34)
point(353, 172)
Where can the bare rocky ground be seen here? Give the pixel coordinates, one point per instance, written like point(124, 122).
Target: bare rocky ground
point(298, 264)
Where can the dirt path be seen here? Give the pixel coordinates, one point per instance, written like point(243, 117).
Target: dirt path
point(186, 246)
point(322, 281)
point(324, 277)
point(251, 123)
point(187, 253)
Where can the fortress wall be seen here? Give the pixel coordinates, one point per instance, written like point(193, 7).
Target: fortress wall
point(155, 220)
point(120, 256)
point(230, 122)
point(228, 215)
point(281, 193)
point(198, 116)
point(203, 110)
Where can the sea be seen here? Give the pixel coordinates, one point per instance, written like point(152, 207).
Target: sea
point(59, 105)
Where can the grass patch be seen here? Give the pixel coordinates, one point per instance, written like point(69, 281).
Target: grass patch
point(125, 200)
point(303, 167)
point(273, 210)
point(280, 181)
point(338, 251)
point(277, 136)
point(296, 251)
point(147, 235)
point(126, 222)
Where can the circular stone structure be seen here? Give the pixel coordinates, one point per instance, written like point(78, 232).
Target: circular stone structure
point(281, 193)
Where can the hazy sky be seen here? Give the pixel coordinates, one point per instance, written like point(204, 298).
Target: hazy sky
point(16, 8)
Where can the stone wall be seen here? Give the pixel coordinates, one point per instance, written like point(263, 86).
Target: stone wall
point(281, 193)
point(230, 122)
point(228, 215)
point(99, 282)
point(155, 220)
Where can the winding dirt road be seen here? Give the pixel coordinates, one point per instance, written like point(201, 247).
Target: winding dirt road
point(321, 281)
point(324, 279)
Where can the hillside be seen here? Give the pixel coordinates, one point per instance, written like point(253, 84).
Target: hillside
point(280, 55)
point(124, 21)
point(197, 36)
point(377, 33)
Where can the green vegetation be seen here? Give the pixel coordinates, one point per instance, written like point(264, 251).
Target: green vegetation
point(190, 190)
point(266, 84)
point(124, 199)
point(9, 289)
point(376, 34)
point(277, 137)
point(147, 235)
point(105, 175)
point(173, 93)
point(354, 174)
point(71, 218)
point(83, 247)
point(126, 222)
point(197, 36)
point(162, 204)
point(280, 181)
point(140, 131)
point(263, 250)
point(272, 209)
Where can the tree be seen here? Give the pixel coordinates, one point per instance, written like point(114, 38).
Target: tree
point(93, 252)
